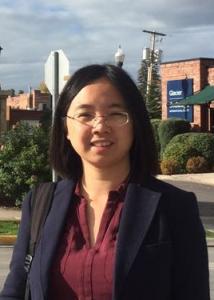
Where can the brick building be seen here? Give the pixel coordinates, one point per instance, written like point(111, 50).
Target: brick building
point(183, 78)
point(27, 107)
point(3, 109)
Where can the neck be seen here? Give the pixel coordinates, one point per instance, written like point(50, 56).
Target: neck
point(97, 181)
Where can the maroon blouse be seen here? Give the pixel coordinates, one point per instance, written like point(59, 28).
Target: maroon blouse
point(81, 272)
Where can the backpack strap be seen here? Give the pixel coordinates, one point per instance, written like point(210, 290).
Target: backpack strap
point(41, 200)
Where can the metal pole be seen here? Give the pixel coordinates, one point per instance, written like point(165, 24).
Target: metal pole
point(151, 59)
point(55, 95)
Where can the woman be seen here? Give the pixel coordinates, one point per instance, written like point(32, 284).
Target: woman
point(113, 231)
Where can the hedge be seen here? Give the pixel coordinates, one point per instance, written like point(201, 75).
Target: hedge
point(179, 153)
point(201, 141)
point(170, 128)
point(184, 150)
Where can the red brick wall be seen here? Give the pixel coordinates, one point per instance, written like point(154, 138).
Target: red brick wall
point(211, 75)
point(17, 115)
point(24, 101)
point(200, 70)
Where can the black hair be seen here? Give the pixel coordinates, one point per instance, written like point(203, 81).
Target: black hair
point(143, 154)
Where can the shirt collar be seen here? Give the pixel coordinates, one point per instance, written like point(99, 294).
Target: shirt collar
point(118, 193)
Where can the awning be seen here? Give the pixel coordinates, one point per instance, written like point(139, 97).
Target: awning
point(201, 97)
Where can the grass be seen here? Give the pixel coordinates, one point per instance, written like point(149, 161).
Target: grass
point(9, 227)
point(210, 234)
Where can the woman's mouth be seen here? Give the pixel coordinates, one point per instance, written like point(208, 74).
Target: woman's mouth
point(101, 143)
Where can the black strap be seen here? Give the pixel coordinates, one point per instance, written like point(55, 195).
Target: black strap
point(41, 201)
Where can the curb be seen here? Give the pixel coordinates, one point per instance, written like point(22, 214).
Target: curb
point(7, 240)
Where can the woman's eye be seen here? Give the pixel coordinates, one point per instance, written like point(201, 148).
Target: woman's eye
point(85, 116)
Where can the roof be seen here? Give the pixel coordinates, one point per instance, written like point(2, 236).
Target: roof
point(201, 97)
point(188, 59)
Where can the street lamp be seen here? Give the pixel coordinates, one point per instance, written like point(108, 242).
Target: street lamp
point(1, 49)
point(119, 57)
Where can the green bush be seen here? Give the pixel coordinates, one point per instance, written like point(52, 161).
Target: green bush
point(155, 125)
point(169, 167)
point(180, 153)
point(170, 128)
point(197, 164)
point(23, 161)
point(202, 142)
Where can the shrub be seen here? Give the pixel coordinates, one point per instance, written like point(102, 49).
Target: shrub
point(197, 164)
point(180, 153)
point(169, 167)
point(23, 161)
point(169, 128)
point(155, 125)
point(202, 142)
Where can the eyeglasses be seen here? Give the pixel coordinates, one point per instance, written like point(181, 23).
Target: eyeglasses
point(113, 119)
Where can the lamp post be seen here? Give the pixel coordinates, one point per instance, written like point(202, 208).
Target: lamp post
point(1, 49)
point(119, 57)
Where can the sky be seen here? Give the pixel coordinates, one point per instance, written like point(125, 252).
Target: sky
point(89, 31)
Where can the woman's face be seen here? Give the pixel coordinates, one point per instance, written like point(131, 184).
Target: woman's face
point(101, 144)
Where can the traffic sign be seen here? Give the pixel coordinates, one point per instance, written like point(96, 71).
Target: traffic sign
point(62, 69)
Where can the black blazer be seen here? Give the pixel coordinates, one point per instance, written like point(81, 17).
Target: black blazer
point(161, 250)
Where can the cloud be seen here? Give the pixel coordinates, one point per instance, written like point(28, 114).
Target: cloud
point(90, 31)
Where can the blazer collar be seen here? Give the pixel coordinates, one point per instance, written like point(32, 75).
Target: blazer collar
point(139, 208)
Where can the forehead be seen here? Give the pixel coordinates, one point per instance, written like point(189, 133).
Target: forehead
point(99, 94)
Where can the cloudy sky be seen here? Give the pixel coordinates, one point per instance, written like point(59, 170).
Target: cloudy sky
point(89, 31)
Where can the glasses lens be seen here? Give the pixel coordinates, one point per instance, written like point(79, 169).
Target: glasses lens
point(117, 119)
point(85, 118)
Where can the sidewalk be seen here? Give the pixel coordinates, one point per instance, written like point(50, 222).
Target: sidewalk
point(11, 214)
point(202, 178)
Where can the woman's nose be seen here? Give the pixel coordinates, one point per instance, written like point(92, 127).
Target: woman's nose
point(99, 120)
point(100, 124)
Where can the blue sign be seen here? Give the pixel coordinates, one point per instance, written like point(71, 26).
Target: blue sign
point(177, 90)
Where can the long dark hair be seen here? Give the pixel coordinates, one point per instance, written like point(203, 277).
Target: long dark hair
point(143, 154)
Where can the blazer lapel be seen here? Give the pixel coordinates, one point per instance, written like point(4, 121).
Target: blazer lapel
point(138, 211)
point(53, 227)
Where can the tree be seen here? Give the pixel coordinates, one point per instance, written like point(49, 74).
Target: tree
point(151, 93)
point(43, 87)
point(23, 161)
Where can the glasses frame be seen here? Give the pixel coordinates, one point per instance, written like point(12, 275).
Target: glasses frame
point(105, 119)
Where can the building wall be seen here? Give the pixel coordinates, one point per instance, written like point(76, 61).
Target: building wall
point(23, 107)
point(29, 100)
point(18, 102)
point(3, 122)
point(3, 109)
point(23, 115)
point(201, 70)
point(211, 75)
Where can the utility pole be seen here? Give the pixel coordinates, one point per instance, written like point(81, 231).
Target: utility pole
point(153, 35)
